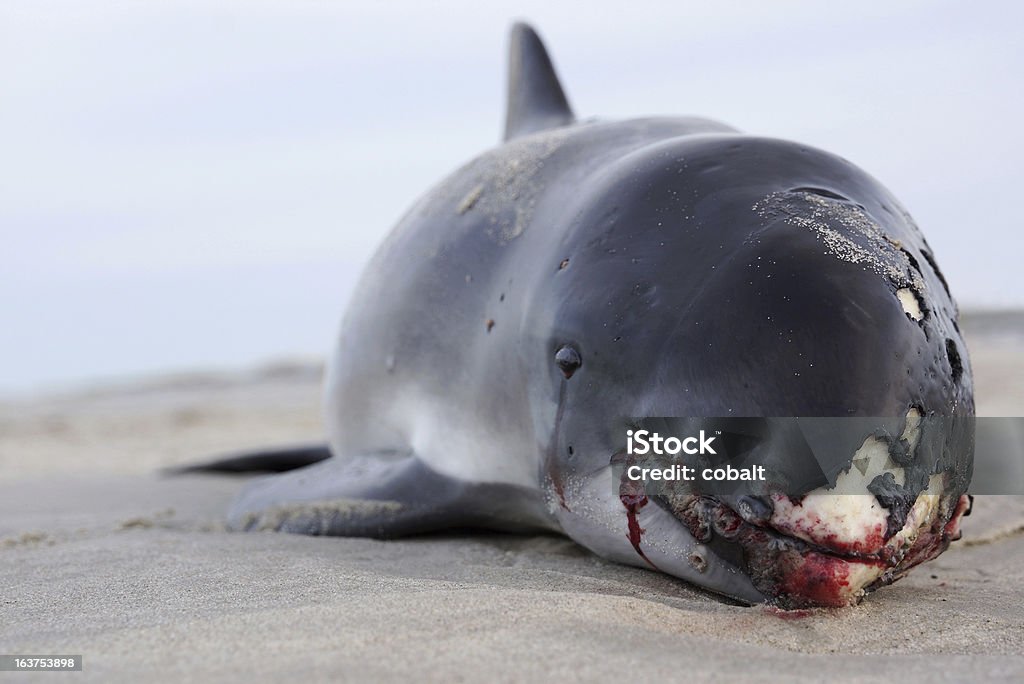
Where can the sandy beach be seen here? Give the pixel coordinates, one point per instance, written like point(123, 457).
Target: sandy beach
point(101, 556)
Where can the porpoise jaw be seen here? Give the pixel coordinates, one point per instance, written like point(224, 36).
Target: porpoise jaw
point(882, 514)
point(796, 564)
point(834, 544)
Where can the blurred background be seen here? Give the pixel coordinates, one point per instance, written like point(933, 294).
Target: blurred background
point(189, 185)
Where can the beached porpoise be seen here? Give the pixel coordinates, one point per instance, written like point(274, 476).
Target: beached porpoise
point(529, 308)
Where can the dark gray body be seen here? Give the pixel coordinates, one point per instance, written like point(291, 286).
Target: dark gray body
point(696, 271)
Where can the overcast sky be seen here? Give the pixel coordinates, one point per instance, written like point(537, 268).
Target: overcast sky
point(197, 184)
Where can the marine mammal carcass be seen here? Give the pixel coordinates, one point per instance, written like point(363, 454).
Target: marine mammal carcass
point(583, 274)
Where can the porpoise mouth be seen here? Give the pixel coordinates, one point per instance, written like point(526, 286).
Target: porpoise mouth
point(823, 549)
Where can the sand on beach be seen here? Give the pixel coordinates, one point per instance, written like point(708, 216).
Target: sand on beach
point(101, 556)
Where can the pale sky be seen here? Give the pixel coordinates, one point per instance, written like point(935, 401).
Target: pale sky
point(197, 184)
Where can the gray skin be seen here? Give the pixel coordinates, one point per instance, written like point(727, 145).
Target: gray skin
point(584, 273)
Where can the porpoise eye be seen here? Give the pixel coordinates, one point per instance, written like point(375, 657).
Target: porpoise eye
point(568, 360)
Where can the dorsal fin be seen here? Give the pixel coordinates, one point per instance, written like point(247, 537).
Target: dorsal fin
point(535, 97)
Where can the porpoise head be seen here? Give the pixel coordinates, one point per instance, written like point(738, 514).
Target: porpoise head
point(725, 276)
